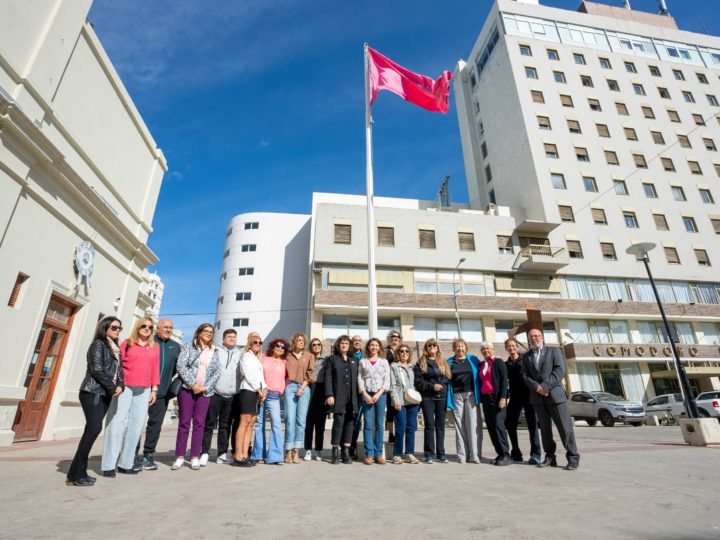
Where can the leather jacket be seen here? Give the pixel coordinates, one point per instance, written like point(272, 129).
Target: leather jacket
point(102, 368)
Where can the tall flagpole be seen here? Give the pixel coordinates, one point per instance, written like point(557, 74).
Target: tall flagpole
point(372, 288)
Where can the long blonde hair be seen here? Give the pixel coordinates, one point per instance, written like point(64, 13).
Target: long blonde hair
point(252, 336)
point(441, 362)
point(135, 332)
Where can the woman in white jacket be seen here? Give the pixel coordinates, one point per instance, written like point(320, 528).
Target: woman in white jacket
point(252, 391)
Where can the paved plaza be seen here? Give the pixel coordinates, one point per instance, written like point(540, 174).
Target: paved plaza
point(632, 483)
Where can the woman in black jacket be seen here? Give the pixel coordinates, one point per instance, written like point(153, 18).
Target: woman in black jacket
point(341, 393)
point(103, 381)
point(432, 375)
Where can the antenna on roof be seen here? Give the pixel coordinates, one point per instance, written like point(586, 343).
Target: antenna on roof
point(663, 8)
point(444, 193)
point(627, 5)
point(705, 29)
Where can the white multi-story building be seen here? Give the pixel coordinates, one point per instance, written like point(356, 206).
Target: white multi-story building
point(264, 276)
point(155, 288)
point(79, 181)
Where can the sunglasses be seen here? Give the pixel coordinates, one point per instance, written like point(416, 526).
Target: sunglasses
point(280, 347)
point(404, 351)
point(432, 346)
point(146, 327)
point(316, 345)
point(257, 342)
point(115, 328)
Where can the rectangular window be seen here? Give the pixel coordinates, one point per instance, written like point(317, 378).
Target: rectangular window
point(574, 126)
point(229, 232)
point(223, 276)
point(242, 296)
point(248, 248)
point(488, 174)
point(648, 112)
point(558, 180)
point(702, 257)
point(709, 144)
point(484, 150)
point(613, 85)
point(678, 193)
point(240, 322)
point(553, 54)
point(706, 196)
point(343, 234)
point(226, 254)
point(566, 213)
point(650, 191)
point(690, 225)
point(605, 63)
point(694, 167)
point(582, 154)
point(712, 100)
point(504, 244)
point(678, 75)
point(639, 89)
point(684, 141)
point(466, 241)
point(602, 130)
point(667, 164)
point(717, 168)
point(551, 151)
point(639, 161)
point(590, 184)
point(698, 119)
point(586, 81)
point(657, 137)
point(537, 96)
point(620, 187)
point(621, 108)
point(252, 225)
point(702, 79)
point(574, 249)
point(559, 77)
point(688, 97)
point(17, 289)
point(594, 105)
point(246, 271)
point(579, 59)
point(386, 236)
point(671, 255)
point(598, 215)
point(427, 238)
point(566, 101)
point(630, 67)
point(525, 50)
point(611, 157)
point(715, 222)
point(530, 72)
point(673, 115)
point(663, 92)
point(630, 220)
point(654, 71)
point(630, 134)
point(608, 251)
point(661, 223)
point(544, 122)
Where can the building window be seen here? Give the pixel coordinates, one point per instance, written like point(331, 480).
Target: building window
point(706, 196)
point(605, 63)
point(427, 238)
point(504, 244)
point(611, 157)
point(630, 220)
point(574, 126)
point(684, 141)
point(579, 59)
point(17, 289)
point(702, 257)
point(613, 85)
point(574, 249)
point(240, 322)
point(491, 196)
point(630, 134)
point(717, 168)
point(702, 79)
point(663, 92)
point(247, 271)
point(690, 225)
point(648, 112)
point(525, 50)
point(488, 174)
point(657, 137)
point(638, 89)
point(386, 236)
point(640, 162)
point(688, 97)
point(694, 167)
point(620, 187)
point(598, 216)
point(590, 184)
point(220, 301)
point(558, 180)
point(551, 151)
point(621, 108)
point(582, 154)
point(223, 276)
point(566, 100)
point(671, 255)
point(226, 254)
point(544, 122)
point(667, 164)
point(650, 191)
point(530, 72)
point(673, 115)
point(678, 193)
point(661, 223)
point(566, 213)
point(243, 296)
point(608, 251)
point(630, 67)
point(678, 75)
point(229, 232)
point(698, 119)
point(552, 54)
point(654, 71)
point(586, 81)
point(248, 247)
point(251, 225)
point(466, 241)
point(594, 105)
point(602, 130)
point(712, 100)
point(715, 222)
point(342, 234)
point(559, 77)
point(709, 145)
point(484, 150)
point(537, 96)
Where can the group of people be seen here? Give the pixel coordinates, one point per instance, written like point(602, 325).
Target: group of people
point(236, 390)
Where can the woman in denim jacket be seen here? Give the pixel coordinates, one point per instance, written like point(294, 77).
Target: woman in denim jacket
point(402, 379)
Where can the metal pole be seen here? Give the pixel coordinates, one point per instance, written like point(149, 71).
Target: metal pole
point(372, 288)
point(690, 406)
point(455, 295)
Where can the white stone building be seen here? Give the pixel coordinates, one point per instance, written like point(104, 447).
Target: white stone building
point(78, 165)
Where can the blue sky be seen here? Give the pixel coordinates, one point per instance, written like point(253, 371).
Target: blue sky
point(257, 104)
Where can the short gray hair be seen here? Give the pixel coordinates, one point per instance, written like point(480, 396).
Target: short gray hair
point(487, 344)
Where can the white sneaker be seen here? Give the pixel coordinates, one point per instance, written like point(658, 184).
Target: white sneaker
point(318, 455)
point(195, 464)
point(204, 460)
point(179, 462)
point(308, 455)
point(222, 458)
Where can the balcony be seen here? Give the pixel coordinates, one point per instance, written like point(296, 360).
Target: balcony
point(541, 258)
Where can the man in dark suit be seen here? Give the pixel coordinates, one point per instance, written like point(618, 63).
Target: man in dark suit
point(543, 369)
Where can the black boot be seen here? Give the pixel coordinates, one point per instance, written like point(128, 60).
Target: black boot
point(346, 459)
point(335, 459)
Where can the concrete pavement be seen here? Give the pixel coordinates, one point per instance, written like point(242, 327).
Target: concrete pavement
point(633, 482)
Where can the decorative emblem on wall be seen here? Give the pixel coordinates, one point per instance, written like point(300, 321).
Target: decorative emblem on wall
point(84, 262)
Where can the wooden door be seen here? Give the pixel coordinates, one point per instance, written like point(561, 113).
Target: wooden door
point(43, 370)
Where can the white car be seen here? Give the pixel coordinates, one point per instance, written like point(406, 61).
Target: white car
point(708, 404)
point(660, 405)
point(606, 407)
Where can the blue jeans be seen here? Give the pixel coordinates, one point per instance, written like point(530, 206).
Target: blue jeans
point(123, 426)
point(374, 415)
point(405, 427)
point(295, 416)
point(273, 452)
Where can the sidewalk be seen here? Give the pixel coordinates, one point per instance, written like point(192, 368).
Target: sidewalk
point(633, 482)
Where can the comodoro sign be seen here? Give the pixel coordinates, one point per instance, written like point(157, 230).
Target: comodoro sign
point(641, 350)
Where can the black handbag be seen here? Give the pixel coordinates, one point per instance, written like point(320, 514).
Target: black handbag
point(175, 386)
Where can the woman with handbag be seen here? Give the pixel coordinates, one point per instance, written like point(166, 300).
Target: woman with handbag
point(464, 401)
point(103, 381)
point(199, 368)
point(373, 383)
point(405, 400)
point(432, 376)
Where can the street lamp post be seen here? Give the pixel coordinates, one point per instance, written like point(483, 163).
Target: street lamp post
point(455, 295)
point(642, 249)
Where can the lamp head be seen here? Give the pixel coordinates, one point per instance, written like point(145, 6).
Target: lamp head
point(641, 249)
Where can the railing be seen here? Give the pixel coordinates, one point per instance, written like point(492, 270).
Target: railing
point(541, 250)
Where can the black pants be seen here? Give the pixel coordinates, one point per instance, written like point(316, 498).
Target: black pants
point(218, 415)
point(95, 407)
point(234, 421)
point(514, 408)
point(434, 414)
point(558, 413)
point(316, 417)
point(495, 422)
point(156, 416)
point(342, 427)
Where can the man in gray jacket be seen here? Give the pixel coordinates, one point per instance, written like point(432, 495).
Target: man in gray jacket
point(221, 403)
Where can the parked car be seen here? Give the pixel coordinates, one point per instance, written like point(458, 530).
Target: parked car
point(708, 404)
point(660, 405)
point(606, 407)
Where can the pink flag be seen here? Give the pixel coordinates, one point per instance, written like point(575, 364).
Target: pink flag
point(418, 89)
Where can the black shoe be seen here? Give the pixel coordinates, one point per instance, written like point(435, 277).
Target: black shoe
point(503, 461)
point(391, 438)
point(91, 478)
point(335, 459)
point(148, 463)
point(127, 471)
point(572, 466)
point(82, 482)
point(244, 462)
point(109, 474)
point(548, 462)
point(518, 458)
point(353, 452)
point(346, 459)
point(495, 461)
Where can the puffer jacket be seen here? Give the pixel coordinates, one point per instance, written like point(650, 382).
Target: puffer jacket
point(102, 368)
point(188, 363)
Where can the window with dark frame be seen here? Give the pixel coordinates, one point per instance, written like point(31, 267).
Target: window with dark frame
point(466, 241)
point(574, 249)
point(426, 238)
point(386, 236)
point(342, 234)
